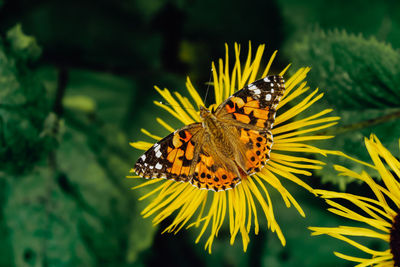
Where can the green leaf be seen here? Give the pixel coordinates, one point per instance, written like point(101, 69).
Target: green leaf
point(23, 106)
point(378, 18)
point(105, 95)
point(97, 104)
point(6, 252)
point(43, 223)
point(361, 81)
point(356, 73)
point(72, 205)
point(23, 46)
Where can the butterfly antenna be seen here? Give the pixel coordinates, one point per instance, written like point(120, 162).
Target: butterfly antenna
point(208, 87)
point(168, 104)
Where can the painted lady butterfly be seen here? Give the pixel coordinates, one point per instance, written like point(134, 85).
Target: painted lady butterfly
point(230, 143)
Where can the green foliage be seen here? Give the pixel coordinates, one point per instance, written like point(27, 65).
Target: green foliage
point(23, 104)
point(68, 114)
point(361, 83)
point(53, 210)
point(23, 46)
point(356, 73)
point(375, 18)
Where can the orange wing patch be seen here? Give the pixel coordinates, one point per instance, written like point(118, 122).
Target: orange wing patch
point(213, 176)
point(171, 157)
point(255, 104)
point(258, 146)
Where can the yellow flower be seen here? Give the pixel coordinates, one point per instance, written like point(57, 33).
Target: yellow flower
point(380, 214)
point(238, 207)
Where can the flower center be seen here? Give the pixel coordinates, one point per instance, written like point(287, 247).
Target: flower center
point(395, 240)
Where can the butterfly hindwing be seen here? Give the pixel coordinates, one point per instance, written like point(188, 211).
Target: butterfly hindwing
point(172, 157)
point(255, 104)
point(257, 146)
point(213, 173)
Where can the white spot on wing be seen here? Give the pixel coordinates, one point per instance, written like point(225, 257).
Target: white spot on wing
point(158, 166)
point(158, 154)
point(252, 87)
point(272, 91)
point(257, 92)
point(266, 80)
point(272, 84)
point(268, 97)
point(143, 157)
point(156, 147)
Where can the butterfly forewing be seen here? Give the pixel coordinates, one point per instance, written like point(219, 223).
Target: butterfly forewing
point(255, 104)
point(173, 156)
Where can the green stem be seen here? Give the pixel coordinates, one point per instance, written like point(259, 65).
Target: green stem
point(362, 124)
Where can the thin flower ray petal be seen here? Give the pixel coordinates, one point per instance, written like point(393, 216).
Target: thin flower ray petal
point(297, 165)
point(186, 214)
point(271, 59)
point(193, 93)
point(171, 208)
point(188, 107)
point(301, 124)
point(171, 111)
point(350, 231)
point(298, 133)
point(287, 197)
point(291, 83)
point(345, 212)
point(289, 158)
point(165, 125)
point(274, 167)
point(298, 147)
point(360, 201)
point(364, 262)
point(368, 180)
point(155, 137)
point(272, 180)
point(256, 63)
point(141, 145)
point(270, 213)
point(283, 72)
point(359, 246)
point(166, 94)
point(387, 177)
point(303, 105)
point(288, 98)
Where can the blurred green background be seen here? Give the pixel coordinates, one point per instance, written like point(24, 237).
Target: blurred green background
point(76, 86)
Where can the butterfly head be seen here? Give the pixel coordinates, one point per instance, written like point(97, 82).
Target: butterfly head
point(204, 112)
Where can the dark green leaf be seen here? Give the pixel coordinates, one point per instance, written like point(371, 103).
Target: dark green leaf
point(361, 81)
point(23, 46)
point(23, 105)
point(356, 73)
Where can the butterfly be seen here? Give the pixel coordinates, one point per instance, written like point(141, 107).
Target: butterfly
point(230, 143)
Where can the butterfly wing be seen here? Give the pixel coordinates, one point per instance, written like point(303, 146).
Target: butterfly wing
point(173, 156)
point(213, 171)
point(257, 147)
point(250, 112)
point(255, 105)
point(185, 156)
